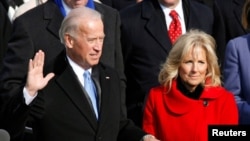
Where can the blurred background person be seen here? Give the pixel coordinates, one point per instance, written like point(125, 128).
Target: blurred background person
point(190, 96)
point(219, 28)
point(210, 3)
point(237, 68)
point(231, 11)
point(29, 5)
point(26, 6)
point(120, 4)
point(13, 6)
point(5, 29)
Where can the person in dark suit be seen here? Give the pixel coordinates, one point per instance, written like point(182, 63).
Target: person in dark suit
point(38, 29)
point(58, 103)
point(220, 29)
point(5, 30)
point(209, 3)
point(5, 4)
point(13, 6)
point(119, 4)
point(26, 6)
point(146, 43)
point(237, 69)
point(231, 11)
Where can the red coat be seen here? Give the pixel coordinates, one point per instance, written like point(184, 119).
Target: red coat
point(175, 117)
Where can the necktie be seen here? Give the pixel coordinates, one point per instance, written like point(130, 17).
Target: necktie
point(175, 27)
point(91, 90)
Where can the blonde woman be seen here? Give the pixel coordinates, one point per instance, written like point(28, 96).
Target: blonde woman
point(190, 96)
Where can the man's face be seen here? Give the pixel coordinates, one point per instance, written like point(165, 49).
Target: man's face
point(76, 3)
point(86, 47)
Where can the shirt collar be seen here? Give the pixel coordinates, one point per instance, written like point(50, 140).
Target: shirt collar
point(178, 9)
point(79, 71)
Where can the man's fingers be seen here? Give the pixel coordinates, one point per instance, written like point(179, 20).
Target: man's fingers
point(30, 64)
point(38, 60)
point(49, 76)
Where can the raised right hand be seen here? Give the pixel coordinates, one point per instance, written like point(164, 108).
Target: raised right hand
point(35, 79)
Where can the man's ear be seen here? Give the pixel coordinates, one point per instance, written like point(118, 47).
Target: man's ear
point(69, 40)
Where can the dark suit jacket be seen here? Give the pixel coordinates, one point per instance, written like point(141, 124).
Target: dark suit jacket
point(38, 29)
point(118, 4)
point(5, 4)
point(231, 11)
point(146, 45)
point(62, 112)
point(5, 30)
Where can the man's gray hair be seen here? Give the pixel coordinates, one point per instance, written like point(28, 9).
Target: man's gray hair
point(74, 19)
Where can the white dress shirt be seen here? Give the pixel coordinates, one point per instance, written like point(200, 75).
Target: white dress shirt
point(168, 18)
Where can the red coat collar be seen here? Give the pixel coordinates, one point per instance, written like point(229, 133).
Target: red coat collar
point(178, 103)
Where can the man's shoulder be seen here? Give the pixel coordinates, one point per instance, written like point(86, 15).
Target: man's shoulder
point(104, 66)
point(200, 5)
point(240, 41)
point(106, 69)
point(144, 8)
point(105, 9)
point(40, 10)
point(196, 8)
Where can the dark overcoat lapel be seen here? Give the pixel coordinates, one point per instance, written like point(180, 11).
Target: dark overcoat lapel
point(70, 84)
point(53, 17)
point(78, 95)
point(155, 24)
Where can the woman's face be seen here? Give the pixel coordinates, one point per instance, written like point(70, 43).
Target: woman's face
point(193, 68)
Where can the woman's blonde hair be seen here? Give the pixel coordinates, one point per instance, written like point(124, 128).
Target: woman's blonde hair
point(192, 39)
